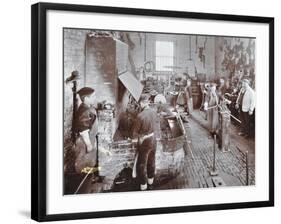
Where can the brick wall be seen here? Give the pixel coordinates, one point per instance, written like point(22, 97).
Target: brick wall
point(168, 162)
point(96, 62)
point(74, 59)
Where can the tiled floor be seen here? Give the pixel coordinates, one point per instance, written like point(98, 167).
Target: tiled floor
point(231, 166)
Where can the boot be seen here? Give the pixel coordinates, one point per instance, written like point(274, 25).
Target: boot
point(143, 187)
point(150, 183)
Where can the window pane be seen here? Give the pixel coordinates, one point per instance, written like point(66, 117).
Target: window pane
point(164, 55)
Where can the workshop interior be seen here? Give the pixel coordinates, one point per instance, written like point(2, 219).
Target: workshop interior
point(148, 111)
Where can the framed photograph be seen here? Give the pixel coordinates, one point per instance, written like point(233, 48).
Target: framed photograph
point(140, 111)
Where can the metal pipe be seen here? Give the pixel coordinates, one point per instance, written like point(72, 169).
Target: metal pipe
point(225, 112)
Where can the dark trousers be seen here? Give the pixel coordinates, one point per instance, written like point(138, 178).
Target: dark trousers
point(245, 119)
point(146, 160)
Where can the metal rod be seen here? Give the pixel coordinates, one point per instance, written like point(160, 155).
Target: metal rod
point(75, 105)
point(209, 108)
point(85, 62)
point(229, 114)
point(232, 116)
point(247, 168)
point(214, 155)
point(81, 183)
point(97, 157)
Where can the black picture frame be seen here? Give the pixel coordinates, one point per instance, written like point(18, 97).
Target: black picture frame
point(39, 108)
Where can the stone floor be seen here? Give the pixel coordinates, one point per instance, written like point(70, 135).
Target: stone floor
point(198, 162)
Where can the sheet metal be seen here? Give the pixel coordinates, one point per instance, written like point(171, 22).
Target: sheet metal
point(132, 84)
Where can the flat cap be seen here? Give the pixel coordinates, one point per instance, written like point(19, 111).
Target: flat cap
point(85, 91)
point(246, 80)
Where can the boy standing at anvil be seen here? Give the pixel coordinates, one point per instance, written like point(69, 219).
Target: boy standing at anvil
point(144, 130)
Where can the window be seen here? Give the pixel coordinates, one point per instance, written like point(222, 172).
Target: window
point(164, 55)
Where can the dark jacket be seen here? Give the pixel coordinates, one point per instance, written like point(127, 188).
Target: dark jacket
point(85, 117)
point(221, 91)
point(145, 123)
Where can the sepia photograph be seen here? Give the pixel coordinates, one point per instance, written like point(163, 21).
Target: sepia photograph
point(146, 111)
point(139, 111)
